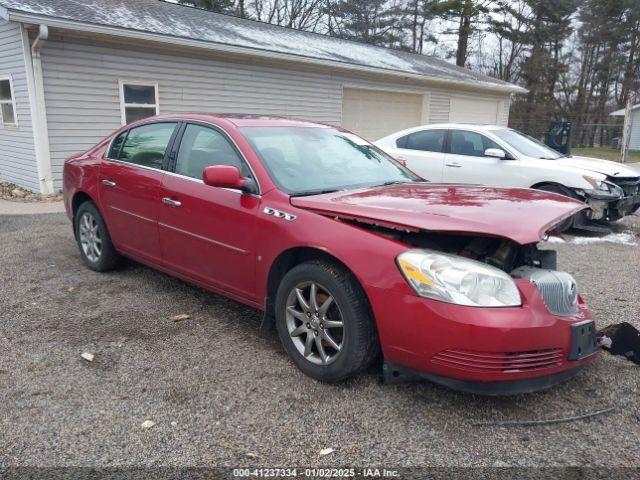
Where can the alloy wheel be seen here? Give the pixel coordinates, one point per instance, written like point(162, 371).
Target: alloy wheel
point(315, 323)
point(90, 238)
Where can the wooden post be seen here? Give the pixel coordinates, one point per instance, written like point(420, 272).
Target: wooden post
point(626, 131)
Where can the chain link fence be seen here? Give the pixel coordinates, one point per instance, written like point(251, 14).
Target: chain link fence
point(582, 135)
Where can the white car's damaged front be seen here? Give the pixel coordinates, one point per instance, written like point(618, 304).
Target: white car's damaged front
point(500, 156)
point(611, 190)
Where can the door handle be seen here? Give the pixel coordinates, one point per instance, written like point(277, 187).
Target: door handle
point(109, 183)
point(171, 202)
point(454, 165)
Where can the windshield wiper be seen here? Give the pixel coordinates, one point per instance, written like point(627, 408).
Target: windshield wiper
point(401, 182)
point(314, 192)
point(392, 182)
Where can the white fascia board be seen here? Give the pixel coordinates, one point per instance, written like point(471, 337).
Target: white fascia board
point(255, 52)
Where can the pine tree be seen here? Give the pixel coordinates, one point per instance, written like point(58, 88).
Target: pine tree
point(220, 6)
point(550, 25)
point(469, 16)
point(369, 21)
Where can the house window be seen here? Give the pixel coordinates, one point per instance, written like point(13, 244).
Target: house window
point(7, 102)
point(138, 101)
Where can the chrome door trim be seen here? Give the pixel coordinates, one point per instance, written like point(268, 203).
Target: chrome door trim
point(205, 239)
point(131, 213)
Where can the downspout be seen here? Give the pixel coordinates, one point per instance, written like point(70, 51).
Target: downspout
point(39, 113)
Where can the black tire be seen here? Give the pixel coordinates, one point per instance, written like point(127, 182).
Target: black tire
point(109, 258)
point(567, 223)
point(360, 345)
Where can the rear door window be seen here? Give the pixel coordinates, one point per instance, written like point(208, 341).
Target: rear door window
point(146, 145)
point(425, 141)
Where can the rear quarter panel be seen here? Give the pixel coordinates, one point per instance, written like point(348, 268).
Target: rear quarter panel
point(81, 174)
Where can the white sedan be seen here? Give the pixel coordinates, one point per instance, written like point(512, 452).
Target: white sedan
point(494, 155)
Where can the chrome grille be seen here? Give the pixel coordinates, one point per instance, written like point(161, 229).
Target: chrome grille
point(506, 362)
point(558, 289)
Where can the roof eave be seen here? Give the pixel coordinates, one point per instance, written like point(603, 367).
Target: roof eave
point(22, 17)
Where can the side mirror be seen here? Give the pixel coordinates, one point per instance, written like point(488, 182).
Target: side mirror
point(227, 176)
point(495, 153)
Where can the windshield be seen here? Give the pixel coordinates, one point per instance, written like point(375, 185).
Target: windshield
point(310, 160)
point(527, 145)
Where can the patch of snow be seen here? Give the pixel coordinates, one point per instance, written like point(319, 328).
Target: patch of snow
point(556, 240)
point(626, 238)
point(622, 238)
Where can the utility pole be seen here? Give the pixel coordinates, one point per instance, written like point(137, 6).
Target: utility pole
point(626, 130)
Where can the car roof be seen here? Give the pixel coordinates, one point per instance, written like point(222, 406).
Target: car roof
point(474, 126)
point(239, 119)
point(478, 127)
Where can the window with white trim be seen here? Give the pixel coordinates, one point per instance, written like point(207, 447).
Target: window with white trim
point(7, 102)
point(138, 101)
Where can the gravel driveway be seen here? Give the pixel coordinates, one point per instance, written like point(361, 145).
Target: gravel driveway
point(219, 394)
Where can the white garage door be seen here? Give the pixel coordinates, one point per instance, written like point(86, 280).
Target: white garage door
point(374, 114)
point(473, 110)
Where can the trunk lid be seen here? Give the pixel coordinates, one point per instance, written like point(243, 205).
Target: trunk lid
point(521, 215)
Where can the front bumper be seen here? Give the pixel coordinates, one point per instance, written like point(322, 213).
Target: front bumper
point(457, 345)
point(609, 207)
point(394, 373)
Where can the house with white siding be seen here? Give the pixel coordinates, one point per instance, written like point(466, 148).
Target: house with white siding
point(634, 126)
point(71, 72)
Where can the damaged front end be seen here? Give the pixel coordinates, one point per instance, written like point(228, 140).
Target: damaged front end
point(610, 200)
point(434, 252)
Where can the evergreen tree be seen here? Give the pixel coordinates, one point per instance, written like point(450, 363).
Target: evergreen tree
point(369, 21)
point(550, 25)
point(220, 6)
point(469, 15)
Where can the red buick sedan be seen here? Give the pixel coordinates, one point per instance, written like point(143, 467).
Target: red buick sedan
point(349, 254)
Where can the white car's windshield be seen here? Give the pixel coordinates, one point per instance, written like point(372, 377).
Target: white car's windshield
point(309, 160)
point(527, 145)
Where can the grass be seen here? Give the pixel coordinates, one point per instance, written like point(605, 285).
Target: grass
point(606, 153)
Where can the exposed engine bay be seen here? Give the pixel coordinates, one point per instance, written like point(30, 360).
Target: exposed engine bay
point(558, 289)
point(501, 253)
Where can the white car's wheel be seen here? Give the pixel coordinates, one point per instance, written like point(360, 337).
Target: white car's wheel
point(560, 190)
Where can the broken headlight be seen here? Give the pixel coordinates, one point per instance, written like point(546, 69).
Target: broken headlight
point(455, 279)
point(604, 186)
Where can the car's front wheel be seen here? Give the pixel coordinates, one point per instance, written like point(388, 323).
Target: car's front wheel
point(324, 321)
point(93, 238)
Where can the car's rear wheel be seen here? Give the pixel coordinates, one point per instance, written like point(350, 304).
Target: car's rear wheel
point(567, 223)
point(324, 321)
point(93, 239)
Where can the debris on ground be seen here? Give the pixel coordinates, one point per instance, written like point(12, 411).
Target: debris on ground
point(326, 451)
point(230, 446)
point(10, 191)
point(180, 318)
point(148, 424)
point(621, 339)
point(254, 455)
point(550, 421)
point(88, 356)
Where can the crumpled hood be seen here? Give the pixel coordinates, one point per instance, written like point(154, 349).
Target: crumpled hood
point(521, 215)
point(605, 167)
